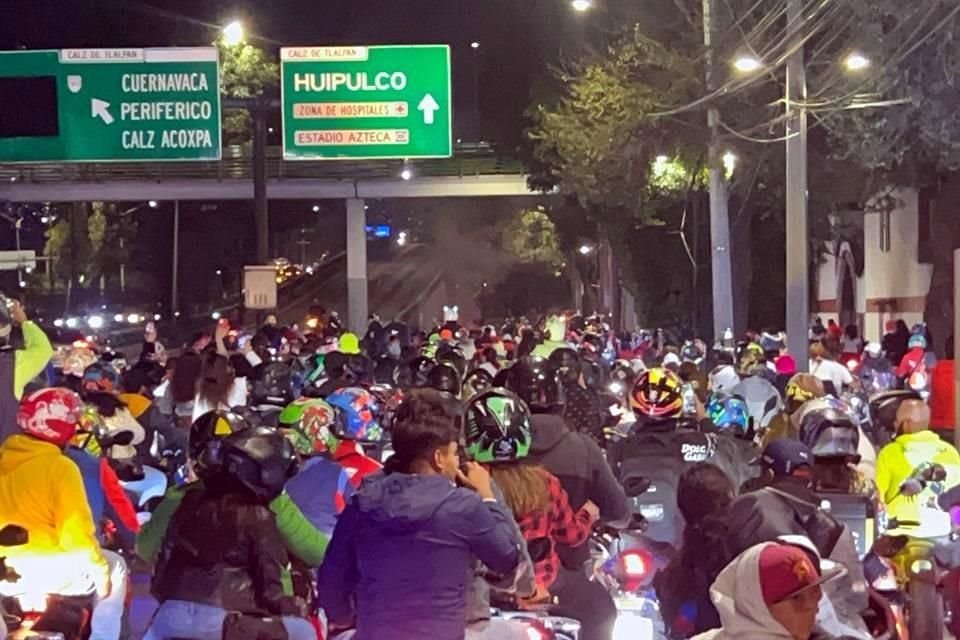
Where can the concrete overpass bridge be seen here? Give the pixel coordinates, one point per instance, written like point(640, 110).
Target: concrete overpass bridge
point(474, 171)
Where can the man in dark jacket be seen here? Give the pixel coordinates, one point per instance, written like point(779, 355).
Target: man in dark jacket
point(397, 566)
point(787, 506)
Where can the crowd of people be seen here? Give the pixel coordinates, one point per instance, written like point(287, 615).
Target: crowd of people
point(406, 484)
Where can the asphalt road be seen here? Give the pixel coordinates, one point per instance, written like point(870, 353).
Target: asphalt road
point(406, 286)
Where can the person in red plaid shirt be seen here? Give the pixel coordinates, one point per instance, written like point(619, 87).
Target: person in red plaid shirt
point(498, 435)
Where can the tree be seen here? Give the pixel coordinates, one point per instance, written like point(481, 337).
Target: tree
point(245, 72)
point(912, 137)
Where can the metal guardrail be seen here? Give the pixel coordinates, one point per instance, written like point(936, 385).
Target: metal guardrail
point(237, 164)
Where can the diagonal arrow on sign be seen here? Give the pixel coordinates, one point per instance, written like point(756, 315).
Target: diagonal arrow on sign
point(429, 107)
point(100, 109)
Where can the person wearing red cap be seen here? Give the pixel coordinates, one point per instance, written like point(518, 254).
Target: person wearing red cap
point(771, 591)
point(42, 491)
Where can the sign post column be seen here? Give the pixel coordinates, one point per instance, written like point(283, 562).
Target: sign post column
point(356, 266)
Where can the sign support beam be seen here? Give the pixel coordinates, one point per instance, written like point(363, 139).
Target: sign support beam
point(356, 266)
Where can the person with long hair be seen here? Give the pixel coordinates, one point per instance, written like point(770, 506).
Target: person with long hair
point(183, 386)
point(498, 435)
point(217, 389)
point(683, 588)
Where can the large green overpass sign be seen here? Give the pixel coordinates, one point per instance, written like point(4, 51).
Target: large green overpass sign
point(361, 103)
point(83, 105)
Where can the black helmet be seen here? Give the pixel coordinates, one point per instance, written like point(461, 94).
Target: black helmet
point(212, 426)
point(444, 377)
point(566, 364)
point(453, 357)
point(476, 381)
point(6, 320)
point(830, 433)
point(595, 372)
point(535, 382)
point(884, 407)
point(260, 459)
point(420, 368)
point(498, 427)
point(275, 385)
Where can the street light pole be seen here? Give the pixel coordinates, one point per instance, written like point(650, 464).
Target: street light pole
point(174, 301)
point(797, 267)
point(719, 198)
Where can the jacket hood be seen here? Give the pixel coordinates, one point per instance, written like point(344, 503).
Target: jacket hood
point(402, 502)
point(20, 448)
point(737, 596)
point(548, 431)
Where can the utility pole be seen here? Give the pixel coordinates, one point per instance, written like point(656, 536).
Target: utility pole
point(174, 292)
point(798, 278)
point(719, 198)
point(261, 212)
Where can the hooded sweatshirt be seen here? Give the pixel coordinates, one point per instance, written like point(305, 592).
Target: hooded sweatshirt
point(42, 491)
point(401, 554)
point(738, 598)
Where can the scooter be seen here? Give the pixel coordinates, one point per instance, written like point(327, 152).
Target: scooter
point(909, 548)
point(627, 570)
point(38, 616)
point(539, 622)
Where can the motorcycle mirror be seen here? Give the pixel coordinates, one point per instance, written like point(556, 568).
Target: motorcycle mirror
point(937, 473)
point(911, 487)
point(13, 535)
point(635, 487)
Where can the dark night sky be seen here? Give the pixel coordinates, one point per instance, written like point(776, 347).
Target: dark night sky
point(519, 37)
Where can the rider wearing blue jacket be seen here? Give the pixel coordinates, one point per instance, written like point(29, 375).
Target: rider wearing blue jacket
point(397, 564)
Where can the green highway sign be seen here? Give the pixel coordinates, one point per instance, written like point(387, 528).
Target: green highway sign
point(361, 103)
point(110, 105)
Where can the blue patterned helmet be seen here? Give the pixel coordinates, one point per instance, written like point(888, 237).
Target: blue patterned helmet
point(729, 412)
point(356, 415)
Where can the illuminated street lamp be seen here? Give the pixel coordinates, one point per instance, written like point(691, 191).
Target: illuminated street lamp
point(474, 45)
point(586, 249)
point(729, 163)
point(582, 5)
point(406, 174)
point(747, 64)
point(856, 62)
point(233, 34)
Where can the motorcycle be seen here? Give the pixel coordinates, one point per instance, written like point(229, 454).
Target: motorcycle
point(627, 571)
point(909, 548)
point(32, 615)
point(539, 622)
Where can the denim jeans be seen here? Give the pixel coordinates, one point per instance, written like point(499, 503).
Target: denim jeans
point(107, 619)
point(181, 619)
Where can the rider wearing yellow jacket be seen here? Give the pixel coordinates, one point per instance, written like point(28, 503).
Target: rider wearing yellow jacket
point(42, 491)
point(914, 446)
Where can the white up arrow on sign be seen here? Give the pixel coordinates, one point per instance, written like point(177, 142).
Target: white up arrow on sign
point(429, 107)
point(100, 109)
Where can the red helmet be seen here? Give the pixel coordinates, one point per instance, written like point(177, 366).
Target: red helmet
point(51, 415)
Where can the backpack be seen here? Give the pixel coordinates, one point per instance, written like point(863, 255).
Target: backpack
point(662, 458)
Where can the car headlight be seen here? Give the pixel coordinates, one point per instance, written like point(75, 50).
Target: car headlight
point(95, 322)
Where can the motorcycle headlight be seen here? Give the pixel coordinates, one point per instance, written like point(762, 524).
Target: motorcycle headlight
point(630, 626)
